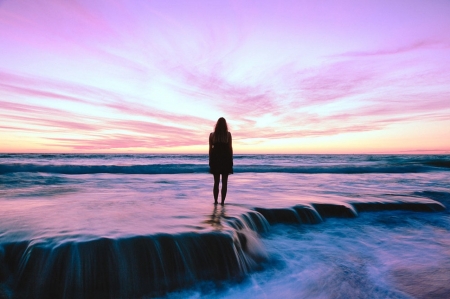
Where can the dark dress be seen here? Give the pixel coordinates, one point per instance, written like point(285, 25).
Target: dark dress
point(220, 157)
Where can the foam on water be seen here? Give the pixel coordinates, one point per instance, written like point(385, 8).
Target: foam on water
point(350, 234)
point(377, 255)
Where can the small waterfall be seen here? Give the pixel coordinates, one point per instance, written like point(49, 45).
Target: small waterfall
point(153, 265)
point(124, 268)
point(317, 212)
point(252, 220)
point(308, 214)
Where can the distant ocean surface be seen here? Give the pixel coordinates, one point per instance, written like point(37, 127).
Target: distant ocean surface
point(293, 226)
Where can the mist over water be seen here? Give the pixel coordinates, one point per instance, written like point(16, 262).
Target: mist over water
point(291, 234)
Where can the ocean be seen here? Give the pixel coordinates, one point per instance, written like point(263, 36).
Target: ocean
point(293, 226)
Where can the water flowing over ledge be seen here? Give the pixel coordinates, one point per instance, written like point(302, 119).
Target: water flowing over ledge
point(136, 266)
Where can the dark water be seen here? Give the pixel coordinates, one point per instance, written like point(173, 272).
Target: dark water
point(294, 226)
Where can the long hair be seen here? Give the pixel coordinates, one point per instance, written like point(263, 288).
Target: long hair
point(221, 131)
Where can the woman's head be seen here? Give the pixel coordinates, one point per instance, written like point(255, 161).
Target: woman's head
point(221, 125)
point(221, 130)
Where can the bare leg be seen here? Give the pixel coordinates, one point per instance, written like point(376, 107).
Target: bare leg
point(216, 187)
point(224, 187)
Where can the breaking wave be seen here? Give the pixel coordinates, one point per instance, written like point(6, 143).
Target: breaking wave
point(420, 167)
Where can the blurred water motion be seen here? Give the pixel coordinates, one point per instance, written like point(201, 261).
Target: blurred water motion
point(129, 235)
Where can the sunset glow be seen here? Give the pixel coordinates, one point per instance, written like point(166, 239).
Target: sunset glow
point(289, 76)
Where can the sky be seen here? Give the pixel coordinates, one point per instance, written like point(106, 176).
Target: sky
point(294, 77)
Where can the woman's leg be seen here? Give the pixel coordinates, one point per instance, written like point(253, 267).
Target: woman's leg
point(224, 186)
point(216, 186)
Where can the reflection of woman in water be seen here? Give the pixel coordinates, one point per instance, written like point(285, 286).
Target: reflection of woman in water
point(216, 217)
point(220, 157)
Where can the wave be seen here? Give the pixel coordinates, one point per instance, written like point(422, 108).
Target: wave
point(438, 163)
point(115, 169)
point(425, 166)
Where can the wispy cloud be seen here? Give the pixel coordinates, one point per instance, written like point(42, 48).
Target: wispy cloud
point(419, 45)
point(117, 75)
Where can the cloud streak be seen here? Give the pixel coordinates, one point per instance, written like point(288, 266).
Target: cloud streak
point(419, 45)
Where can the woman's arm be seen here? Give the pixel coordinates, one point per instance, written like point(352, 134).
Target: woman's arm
point(230, 141)
point(210, 143)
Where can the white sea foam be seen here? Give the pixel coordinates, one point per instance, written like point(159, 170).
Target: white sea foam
point(367, 256)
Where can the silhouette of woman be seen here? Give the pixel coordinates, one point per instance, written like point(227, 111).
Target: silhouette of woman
point(220, 157)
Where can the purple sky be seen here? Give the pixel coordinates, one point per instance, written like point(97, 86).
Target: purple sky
point(289, 76)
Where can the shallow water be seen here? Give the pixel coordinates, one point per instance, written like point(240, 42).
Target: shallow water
point(112, 205)
point(385, 254)
point(377, 255)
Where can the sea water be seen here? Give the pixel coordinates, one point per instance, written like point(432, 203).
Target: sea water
point(293, 226)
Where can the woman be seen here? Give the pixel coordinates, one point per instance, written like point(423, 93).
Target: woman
point(220, 157)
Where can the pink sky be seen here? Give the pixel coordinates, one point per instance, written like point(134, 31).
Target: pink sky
point(289, 76)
